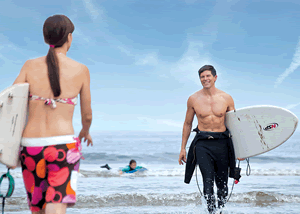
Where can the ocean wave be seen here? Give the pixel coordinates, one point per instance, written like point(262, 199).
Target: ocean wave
point(170, 173)
point(181, 173)
point(285, 158)
point(151, 156)
point(95, 157)
point(153, 199)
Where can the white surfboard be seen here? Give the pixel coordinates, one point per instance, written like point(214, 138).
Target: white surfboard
point(13, 110)
point(259, 129)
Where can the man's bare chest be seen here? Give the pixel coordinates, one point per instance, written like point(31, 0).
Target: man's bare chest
point(210, 107)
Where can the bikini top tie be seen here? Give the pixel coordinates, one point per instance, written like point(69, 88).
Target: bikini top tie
point(52, 102)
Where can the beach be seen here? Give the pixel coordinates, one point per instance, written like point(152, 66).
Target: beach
point(272, 187)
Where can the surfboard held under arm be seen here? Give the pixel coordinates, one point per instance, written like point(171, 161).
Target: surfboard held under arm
point(13, 111)
point(259, 129)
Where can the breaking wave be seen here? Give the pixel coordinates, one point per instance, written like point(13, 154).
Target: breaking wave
point(153, 199)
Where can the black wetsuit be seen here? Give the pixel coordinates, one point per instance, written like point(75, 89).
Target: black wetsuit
point(214, 153)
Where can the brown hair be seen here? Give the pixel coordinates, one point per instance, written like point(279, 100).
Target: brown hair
point(207, 67)
point(56, 30)
point(132, 161)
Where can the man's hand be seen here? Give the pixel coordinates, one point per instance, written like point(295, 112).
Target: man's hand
point(241, 159)
point(182, 157)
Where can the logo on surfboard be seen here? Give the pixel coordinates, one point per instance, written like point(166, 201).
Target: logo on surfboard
point(271, 126)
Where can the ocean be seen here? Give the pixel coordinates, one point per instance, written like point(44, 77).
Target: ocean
point(272, 187)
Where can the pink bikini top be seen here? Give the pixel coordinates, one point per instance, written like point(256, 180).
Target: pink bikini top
point(72, 101)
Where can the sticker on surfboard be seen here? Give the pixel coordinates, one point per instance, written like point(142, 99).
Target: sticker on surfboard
point(271, 126)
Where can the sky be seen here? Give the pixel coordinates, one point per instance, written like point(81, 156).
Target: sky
point(143, 56)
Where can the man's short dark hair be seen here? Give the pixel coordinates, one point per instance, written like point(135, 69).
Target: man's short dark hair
point(208, 67)
point(132, 161)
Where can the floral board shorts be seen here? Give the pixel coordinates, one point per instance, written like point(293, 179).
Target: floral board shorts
point(50, 173)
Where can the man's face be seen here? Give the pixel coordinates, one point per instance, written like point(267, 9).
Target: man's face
point(207, 79)
point(133, 165)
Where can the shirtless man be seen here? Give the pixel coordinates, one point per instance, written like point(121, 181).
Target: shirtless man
point(211, 148)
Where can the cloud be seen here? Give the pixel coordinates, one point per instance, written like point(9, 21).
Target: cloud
point(289, 107)
point(293, 66)
point(196, 55)
point(125, 50)
point(190, 62)
point(81, 35)
point(141, 59)
point(93, 11)
point(93, 61)
point(183, 70)
point(148, 59)
point(5, 59)
point(9, 50)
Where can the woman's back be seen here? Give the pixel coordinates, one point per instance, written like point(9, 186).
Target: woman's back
point(44, 120)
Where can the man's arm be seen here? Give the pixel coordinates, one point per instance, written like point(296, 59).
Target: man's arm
point(230, 103)
point(230, 108)
point(187, 126)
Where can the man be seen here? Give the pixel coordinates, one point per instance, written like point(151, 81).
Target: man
point(212, 147)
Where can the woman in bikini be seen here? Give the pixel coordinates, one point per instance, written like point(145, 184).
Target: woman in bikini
point(51, 153)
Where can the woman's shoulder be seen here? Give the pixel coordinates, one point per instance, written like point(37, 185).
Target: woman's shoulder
point(35, 60)
point(78, 65)
point(32, 64)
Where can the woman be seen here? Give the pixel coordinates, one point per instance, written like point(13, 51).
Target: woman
point(51, 153)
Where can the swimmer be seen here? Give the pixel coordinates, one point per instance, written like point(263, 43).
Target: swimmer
point(131, 167)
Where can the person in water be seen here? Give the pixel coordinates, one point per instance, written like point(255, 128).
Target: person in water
point(212, 147)
point(131, 167)
point(51, 152)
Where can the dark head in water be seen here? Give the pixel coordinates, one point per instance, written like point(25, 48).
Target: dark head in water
point(132, 164)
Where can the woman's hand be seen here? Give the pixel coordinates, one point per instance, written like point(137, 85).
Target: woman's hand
point(87, 137)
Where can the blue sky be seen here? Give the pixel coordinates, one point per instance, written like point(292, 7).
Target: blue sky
point(143, 56)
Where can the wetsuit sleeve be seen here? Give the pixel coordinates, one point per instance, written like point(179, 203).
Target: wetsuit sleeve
point(126, 169)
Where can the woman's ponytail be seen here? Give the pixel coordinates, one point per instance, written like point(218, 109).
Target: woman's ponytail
point(56, 30)
point(53, 71)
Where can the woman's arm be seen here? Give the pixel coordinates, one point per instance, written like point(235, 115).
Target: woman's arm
point(22, 75)
point(85, 105)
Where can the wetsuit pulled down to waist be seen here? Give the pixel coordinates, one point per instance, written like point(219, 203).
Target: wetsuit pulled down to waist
point(212, 138)
point(212, 151)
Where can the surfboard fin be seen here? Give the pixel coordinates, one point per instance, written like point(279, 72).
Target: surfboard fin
point(237, 173)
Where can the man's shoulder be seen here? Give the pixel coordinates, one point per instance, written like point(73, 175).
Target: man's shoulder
point(228, 99)
point(224, 94)
point(195, 96)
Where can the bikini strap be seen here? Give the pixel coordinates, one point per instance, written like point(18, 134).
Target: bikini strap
point(52, 102)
